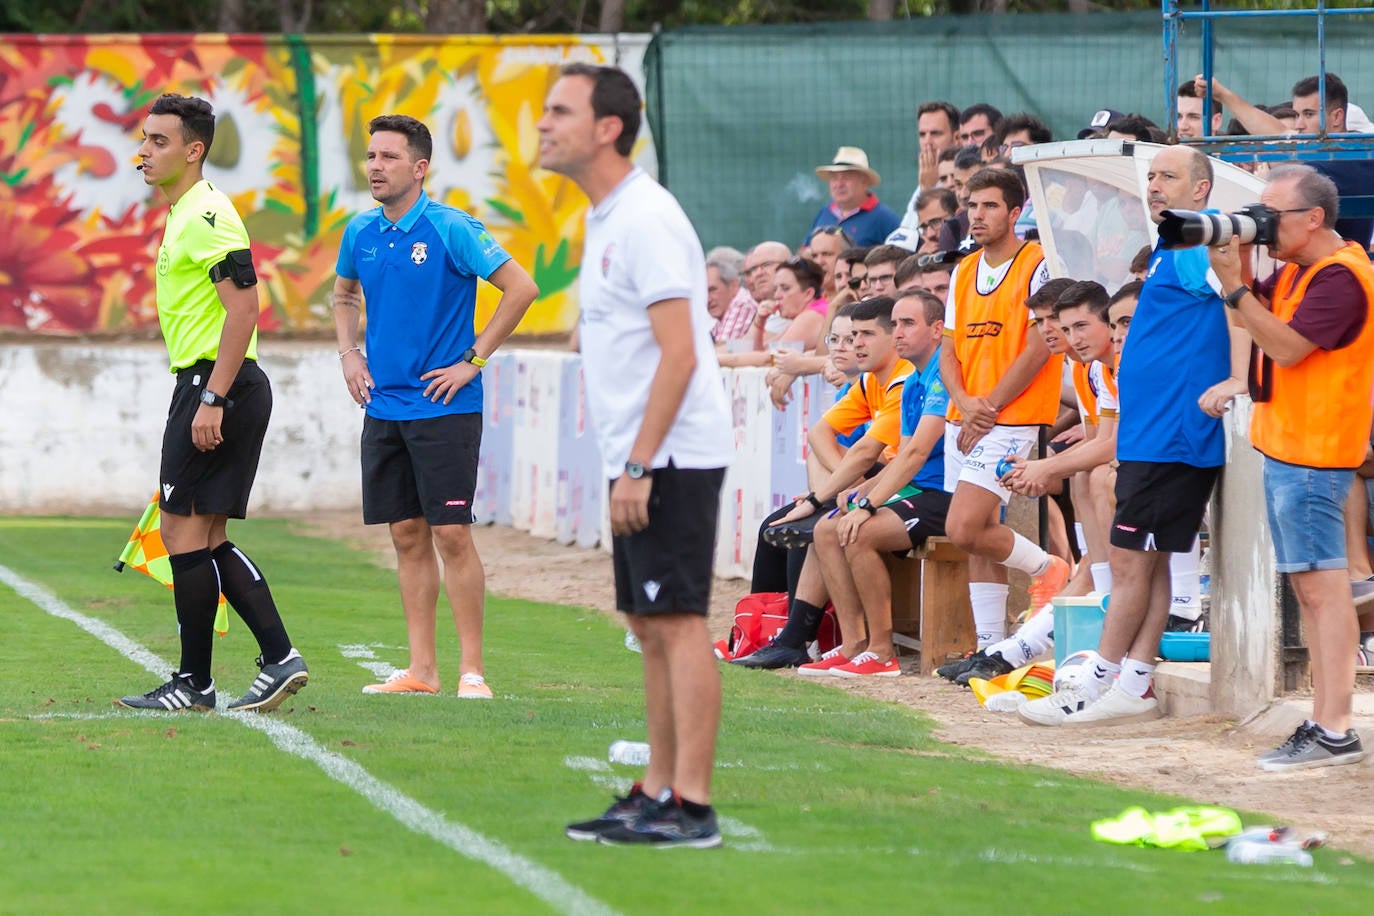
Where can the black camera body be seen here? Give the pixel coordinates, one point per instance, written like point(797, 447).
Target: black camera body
point(1254, 224)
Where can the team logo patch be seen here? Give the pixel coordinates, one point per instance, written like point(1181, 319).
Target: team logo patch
point(606, 259)
point(164, 262)
point(419, 253)
point(456, 502)
point(652, 588)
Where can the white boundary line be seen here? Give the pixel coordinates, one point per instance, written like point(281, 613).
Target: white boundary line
point(544, 883)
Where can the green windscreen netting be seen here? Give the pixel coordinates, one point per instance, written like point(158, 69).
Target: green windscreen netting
point(743, 115)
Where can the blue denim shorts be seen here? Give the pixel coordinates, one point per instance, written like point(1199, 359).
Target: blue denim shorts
point(1307, 515)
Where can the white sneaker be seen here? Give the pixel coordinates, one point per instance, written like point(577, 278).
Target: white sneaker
point(1116, 707)
point(1067, 699)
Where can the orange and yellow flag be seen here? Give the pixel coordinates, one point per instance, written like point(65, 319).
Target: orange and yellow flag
point(146, 553)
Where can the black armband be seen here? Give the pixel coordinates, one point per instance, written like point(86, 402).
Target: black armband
point(236, 266)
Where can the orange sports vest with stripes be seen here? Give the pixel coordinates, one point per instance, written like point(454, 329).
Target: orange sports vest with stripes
point(990, 333)
point(1087, 400)
point(1318, 412)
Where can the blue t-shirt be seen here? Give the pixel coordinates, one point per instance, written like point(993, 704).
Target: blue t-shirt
point(1177, 349)
point(419, 278)
point(924, 395)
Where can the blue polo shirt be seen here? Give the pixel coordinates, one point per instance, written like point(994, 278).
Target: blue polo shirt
point(924, 395)
point(419, 278)
point(1178, 347)
point(871, 224)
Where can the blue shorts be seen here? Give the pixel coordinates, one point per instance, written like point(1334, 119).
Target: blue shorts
point(1307, 515)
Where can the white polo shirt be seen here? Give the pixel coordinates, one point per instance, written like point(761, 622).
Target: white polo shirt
point(641, 249)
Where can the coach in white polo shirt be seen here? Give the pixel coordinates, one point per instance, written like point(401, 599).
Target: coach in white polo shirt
point(664, 429)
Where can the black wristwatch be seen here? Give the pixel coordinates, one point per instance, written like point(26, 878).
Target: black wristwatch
point(863, 503)
point(1232, 300)
point(470, 356)
point(636, 471)
point(815, 503)
point(211, 399)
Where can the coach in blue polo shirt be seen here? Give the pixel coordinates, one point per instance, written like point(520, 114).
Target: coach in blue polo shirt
point(416, 263)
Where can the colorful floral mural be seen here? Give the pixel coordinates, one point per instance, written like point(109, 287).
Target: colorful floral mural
point(79, 230)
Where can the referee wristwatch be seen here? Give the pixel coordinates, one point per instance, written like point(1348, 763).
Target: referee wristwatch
point(863, 503)
point(636, 471)
point(1232, 300)
point(210, 399)
point(470, 356)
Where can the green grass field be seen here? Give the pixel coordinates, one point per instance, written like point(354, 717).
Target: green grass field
point(344, 803)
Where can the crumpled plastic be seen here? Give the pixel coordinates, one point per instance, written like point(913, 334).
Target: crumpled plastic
point(1190, 827)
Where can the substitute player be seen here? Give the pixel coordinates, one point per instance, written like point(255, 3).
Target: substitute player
point(663, 427)
point(208, 310)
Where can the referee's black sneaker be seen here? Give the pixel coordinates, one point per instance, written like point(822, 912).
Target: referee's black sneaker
point(173, 696)
point(273, 684)
point(622, 811)
point(666, 825)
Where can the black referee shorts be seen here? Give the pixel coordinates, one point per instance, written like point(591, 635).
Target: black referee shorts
point(666, 568)
point(217, 482)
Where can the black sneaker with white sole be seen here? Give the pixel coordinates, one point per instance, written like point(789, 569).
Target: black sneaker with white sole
point(273, 684)
point(667, 824)
point(621, 812)
point(986, 667)
point(951, 670)
point(1309, 747)
point(174, 696)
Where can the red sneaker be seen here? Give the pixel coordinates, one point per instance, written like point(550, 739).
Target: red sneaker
point(866, 664)
point(825, 667)
point(1049, 583)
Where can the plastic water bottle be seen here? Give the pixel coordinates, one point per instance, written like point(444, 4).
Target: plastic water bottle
point(1005, 466)
point(630, 753)
point(1254, 847)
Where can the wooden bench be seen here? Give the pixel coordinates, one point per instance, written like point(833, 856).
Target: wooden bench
point(930, 605)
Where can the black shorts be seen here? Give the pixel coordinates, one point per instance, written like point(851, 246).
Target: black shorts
point(414, 468)
point(217, 482)
point(1159, 506)
point(923, 514)
point(666, 568)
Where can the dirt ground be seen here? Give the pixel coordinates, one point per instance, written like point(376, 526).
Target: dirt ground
point(1205, 758)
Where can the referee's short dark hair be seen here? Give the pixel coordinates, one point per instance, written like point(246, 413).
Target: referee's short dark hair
point(613, 96)
point(197, 117)
point(418, 139)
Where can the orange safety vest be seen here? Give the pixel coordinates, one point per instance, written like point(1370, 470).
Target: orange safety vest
point(990, 333)
point(1087, 399)
point(1318, 412)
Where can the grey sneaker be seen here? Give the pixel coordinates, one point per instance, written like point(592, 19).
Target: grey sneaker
point(1309, 748)
point(621, 812)
point(273, 684)
point(173, 696)
point(667, 824)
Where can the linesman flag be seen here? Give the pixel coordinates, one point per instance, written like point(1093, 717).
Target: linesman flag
point(146, 553)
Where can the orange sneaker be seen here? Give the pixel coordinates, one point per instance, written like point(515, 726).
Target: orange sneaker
point(1049, 583)
point(825, 667)
point(401, 682)
point(473, 687)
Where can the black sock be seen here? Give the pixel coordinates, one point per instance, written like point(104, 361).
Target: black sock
point(195, 591)
point(694, 809)
point(803, 623)
point(243, 584)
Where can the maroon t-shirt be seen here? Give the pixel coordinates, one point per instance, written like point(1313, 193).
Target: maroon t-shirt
point(1333, 310)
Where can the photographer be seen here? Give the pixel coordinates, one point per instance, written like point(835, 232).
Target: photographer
point(1310, 378)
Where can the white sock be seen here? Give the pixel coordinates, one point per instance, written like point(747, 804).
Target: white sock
point(1026, 556)
point(1135, 676)
point(1098, 675)
point(1034, 638)
point(989, 600)
point(1081, 538)
point(1102, 578)
point(1185, 574)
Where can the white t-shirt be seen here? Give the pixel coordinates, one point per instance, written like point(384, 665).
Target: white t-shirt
point(641, 249)
point(1106, 397)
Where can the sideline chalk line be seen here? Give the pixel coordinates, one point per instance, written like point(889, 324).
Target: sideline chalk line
point(542, 882)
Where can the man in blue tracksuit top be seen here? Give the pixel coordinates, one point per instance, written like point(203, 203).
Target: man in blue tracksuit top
point(416, 263)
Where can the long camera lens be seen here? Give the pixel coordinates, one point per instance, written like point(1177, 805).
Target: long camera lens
point(1189, 228)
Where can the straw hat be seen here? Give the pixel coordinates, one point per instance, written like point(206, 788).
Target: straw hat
point(849, 159)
